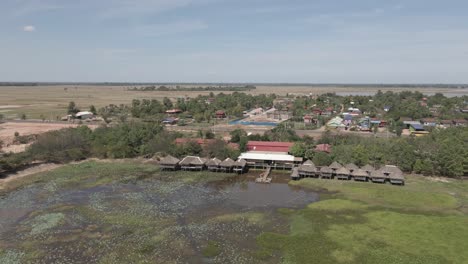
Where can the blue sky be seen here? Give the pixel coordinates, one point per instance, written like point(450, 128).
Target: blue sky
point(297, 41)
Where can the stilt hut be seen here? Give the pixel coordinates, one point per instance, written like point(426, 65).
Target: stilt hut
point(192, 163)
point(226, 165)
point(169, 163)
point(307, 169)
point(360, 175)
point(334, 167)
point(343, 174)
point(295, 174)
point(213, 164)
point(326, 172)
point(394, 174)
point(351, 167)
point(368, 169)
point(378, 176)
point(240, 166)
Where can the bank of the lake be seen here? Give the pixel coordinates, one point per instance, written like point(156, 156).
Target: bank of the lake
point(130, 212)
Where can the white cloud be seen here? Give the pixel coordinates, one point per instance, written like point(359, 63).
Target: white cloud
point(29, 28)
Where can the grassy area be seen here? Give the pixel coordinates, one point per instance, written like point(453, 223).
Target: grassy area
point(423, 222)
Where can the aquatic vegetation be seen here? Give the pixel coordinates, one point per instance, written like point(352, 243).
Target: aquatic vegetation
point(45, 222)
point(11, 257)
point(211, 250)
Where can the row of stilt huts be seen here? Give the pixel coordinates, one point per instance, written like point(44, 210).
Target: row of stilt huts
point(194, 163)
point(350, 171)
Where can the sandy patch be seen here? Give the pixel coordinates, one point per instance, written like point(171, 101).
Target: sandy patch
point(438, 179)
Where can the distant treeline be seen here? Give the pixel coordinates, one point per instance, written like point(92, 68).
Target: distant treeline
point(197, 89)
point(240, 85)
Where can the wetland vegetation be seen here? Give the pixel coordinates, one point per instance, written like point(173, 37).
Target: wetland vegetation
point(130, 212)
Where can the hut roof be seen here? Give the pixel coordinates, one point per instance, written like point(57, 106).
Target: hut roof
point(335, 165)
point(359, 173)
point(307, 168)
point(377, 174)
point(309, 163)
point(368, 168)
point(169, 160)
point(351, 166)
point(326, 169)
point(241, 163)
point(393, 171)
point(342, 171)
point(227, 163)
point(192, 160)
point(213, 162)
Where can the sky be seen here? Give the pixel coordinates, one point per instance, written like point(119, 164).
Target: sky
point(272, 41)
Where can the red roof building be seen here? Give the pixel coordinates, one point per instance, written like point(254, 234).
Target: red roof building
point(269, 146)
point(323, 148)
point(220, 114)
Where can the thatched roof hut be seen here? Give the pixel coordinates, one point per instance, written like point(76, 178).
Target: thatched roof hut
point(342, 174)
point(360, 173)
point(169, 160)
point(378, 176)
point(169, 163)
point(326, 169)
point(192, 163)
point(309, 163)
point(213, 162)
point(240, 166)
point(227, 163)
point(351, 167)
point(240, 163)
point(335, 166)
point(342, 171)
point(368, 168)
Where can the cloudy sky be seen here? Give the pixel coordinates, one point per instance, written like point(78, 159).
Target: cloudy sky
point(297, 41)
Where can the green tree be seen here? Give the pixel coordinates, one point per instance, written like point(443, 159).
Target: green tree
point(322, 159)
point(92, 109)
point(237, 134)
point(167, 103)
point(360, 155)
point(72, 109)
point(298, 149)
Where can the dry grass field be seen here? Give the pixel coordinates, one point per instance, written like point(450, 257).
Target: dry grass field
point(51, 101)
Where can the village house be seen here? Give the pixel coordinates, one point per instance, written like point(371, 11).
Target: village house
point(446, 123)
point(323, 148)
point(460, 122)
point(360, 175)
point(220, 114)
point(429, 122)
point(84, 115)
point(417, 130)
point(170, 121)
point(309, 120)
point(173, 111)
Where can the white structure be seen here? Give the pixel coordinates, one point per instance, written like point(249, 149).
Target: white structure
point(84, 115)
point(275, 160)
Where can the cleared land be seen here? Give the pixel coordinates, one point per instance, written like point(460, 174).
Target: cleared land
point(51, 101)
point(121, 212)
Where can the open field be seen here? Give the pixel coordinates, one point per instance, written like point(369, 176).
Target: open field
point(128, 211)
point(8, 129)
point(51, 101)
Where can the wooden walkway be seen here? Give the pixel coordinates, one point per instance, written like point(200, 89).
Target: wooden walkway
point(264, 176)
